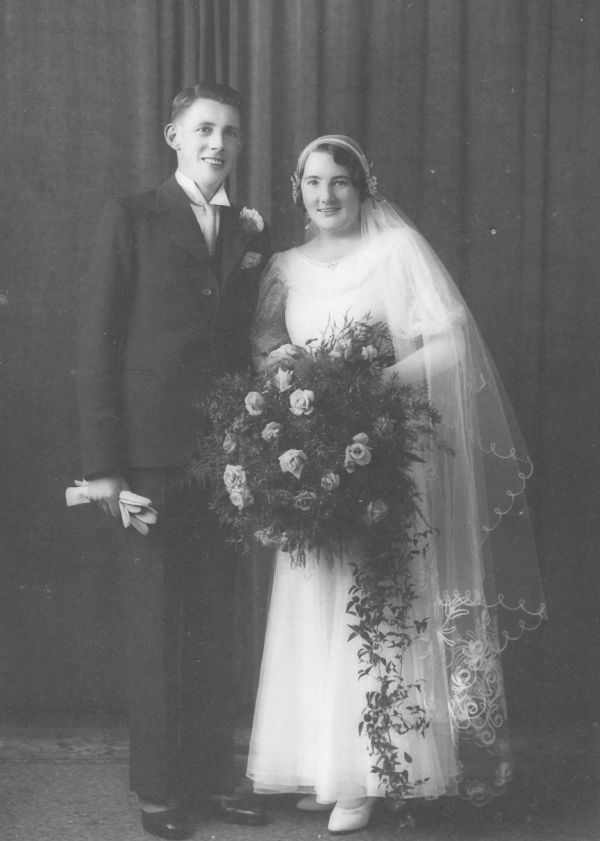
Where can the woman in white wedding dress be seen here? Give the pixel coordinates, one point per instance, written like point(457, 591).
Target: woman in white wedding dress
point(478, 586)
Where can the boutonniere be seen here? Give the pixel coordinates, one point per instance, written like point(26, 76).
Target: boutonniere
point(250, 260)
point(252, 221)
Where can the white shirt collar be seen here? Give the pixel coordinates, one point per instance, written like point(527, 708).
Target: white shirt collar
point(192, 191)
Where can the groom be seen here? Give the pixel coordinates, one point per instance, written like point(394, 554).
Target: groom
point(166, 307)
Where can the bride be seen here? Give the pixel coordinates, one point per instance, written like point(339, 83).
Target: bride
point(478, 586)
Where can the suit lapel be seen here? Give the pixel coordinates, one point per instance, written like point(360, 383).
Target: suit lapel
point(233, 242)
point(177, 216)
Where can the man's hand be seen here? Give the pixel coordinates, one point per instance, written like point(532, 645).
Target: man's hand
point(105, 491)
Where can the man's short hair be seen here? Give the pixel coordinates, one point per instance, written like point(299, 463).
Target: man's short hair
point(206, 90)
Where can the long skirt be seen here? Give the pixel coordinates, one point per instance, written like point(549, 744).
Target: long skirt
point(310, 701)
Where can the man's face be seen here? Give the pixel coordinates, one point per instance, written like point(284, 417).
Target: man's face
point(206, 137)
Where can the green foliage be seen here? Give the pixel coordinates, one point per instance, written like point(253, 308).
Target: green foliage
point(381, 601)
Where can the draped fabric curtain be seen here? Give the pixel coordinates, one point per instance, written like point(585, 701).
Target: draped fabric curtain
point(482, 120)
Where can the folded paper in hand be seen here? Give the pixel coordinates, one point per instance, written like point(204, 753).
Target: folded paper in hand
point(135, 510)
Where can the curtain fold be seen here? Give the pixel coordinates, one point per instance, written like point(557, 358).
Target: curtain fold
point(481, 118)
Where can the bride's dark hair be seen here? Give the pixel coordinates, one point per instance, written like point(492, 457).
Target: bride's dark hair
point(343, 158)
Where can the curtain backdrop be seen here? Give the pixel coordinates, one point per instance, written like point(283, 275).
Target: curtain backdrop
point(482, 120)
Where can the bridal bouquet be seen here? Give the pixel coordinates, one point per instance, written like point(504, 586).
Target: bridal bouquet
point(316, 450)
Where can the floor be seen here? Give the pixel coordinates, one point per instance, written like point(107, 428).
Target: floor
point(66, 781)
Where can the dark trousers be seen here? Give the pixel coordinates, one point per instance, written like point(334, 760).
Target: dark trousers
point(178, 598)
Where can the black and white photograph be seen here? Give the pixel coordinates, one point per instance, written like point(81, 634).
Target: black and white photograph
point(300, 390)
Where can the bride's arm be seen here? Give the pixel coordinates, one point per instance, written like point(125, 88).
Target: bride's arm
point(424, 312)
point(437, 354)
point(268, 327)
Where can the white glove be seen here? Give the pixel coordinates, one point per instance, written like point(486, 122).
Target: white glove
point(135, 510)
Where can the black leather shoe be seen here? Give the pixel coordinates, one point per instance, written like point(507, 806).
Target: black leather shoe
point(241, 810)
point(172, 823)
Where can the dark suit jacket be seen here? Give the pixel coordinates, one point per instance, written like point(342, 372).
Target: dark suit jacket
point(160, 318)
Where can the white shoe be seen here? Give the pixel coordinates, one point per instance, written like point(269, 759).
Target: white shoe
point(311, 804)
point(350, 818)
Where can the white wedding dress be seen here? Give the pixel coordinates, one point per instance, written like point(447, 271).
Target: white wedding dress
point(305, 735)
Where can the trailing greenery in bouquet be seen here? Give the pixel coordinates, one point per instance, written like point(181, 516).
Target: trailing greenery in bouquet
point(316, 451)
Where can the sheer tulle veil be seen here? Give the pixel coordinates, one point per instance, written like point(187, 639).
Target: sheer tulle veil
point(477, 473)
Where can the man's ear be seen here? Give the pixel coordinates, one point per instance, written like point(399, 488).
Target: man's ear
point(171, 136)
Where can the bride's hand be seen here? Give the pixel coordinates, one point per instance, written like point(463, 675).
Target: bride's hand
point(283, 357)
point(440, 353)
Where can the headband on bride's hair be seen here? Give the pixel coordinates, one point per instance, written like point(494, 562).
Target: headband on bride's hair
point(342, 141)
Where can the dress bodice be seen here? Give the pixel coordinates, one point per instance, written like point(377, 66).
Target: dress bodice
point(322, 296)
point(302, 299)
point(388, 279)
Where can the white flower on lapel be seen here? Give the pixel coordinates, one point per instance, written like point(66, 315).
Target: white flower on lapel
point(250, 260)
point(252, 221)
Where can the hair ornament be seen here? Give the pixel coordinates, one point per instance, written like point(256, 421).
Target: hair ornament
point(371, 182)
point(294, 178)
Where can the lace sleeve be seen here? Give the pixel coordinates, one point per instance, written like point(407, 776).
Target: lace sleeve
point(268, 328)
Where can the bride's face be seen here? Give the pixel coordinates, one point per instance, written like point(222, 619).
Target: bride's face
point(330, 198)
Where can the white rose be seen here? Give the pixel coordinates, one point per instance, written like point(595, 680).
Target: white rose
point(284, 379)
point(234, 476)
point(271, 432)
point(287, 350)
point(358, 452)
point(330, 480)
point(255, 403)
point(369, 353)
point(241, 497)
point(229, 443)
point(283, 355)
point(293, 461)
point(301, 401)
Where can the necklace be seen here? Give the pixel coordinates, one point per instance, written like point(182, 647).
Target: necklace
point(328, 264)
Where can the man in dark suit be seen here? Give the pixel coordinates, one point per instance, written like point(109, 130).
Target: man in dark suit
point(166, 307)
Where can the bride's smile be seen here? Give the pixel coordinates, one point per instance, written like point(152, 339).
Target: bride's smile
point(331, 198)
